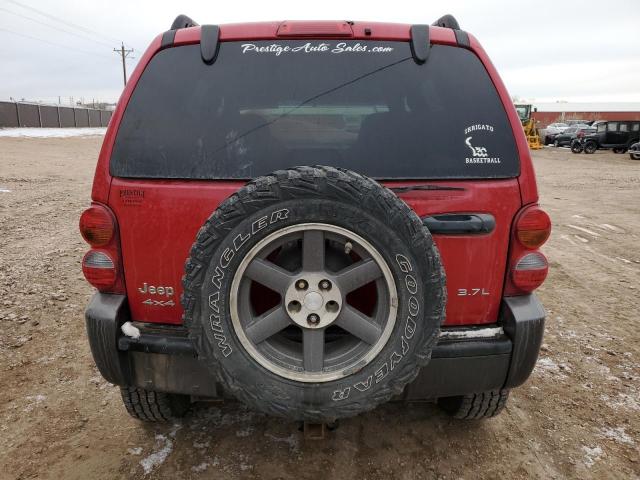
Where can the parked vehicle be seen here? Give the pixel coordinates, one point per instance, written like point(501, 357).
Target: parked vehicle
point(552, 130)
point(574, 122)
point(566, 138)
point(223, 268)
point(634, 151)
point(616, 135)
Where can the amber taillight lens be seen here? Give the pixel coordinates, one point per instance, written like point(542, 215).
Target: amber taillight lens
point(97, 226)
point(533, 228)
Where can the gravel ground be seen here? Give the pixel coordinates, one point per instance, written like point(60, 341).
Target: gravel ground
point(577, 417)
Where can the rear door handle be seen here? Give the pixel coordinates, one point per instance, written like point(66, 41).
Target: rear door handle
point(460, 223)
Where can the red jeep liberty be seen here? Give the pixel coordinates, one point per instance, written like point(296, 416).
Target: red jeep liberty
point(315, 218)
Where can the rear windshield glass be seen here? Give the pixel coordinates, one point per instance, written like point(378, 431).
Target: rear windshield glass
point(264, 106)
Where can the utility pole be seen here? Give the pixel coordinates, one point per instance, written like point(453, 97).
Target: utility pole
point(124, 54)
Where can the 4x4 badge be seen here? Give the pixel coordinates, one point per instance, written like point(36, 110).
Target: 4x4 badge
point(159, 303)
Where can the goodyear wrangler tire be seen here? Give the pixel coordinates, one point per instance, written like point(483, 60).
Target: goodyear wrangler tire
point(314, 293)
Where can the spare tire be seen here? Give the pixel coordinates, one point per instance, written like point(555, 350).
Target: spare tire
point(314, 293)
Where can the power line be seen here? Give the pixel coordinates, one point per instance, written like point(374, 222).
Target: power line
point(54, 27)
point(54, 43)
point(66, 22)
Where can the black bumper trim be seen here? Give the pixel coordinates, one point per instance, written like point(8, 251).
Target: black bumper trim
point(164, 358)
point(523, 321)
point(161, 339)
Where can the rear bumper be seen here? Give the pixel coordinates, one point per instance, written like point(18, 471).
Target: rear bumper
point(465, 360)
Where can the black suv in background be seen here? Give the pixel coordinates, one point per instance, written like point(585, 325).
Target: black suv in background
point(570, 134)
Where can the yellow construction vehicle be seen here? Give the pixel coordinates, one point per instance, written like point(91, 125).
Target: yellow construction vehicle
point(529, 125)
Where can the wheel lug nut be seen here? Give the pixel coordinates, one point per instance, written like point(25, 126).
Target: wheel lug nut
point(325, 285)
point(313, 319)
point(302, 285)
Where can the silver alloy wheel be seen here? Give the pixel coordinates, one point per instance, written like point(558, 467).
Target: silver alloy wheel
point(314, 333)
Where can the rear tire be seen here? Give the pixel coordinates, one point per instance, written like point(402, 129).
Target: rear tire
point(475, 406)
point(590, 147)
point(576, 147)
point(150, 406)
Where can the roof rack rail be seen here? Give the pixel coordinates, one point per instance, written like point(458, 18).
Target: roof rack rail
point(182, 21)
point(447, 21)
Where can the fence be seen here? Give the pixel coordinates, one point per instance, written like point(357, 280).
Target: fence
point(18, 114)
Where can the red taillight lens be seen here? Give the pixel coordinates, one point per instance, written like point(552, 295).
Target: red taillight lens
point(99, 269)
point(530, 271)
point(101, 266)
point(528, 267)
point(97, 226)
point(533, 228)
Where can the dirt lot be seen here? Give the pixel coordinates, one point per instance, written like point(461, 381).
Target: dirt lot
point(577, 417)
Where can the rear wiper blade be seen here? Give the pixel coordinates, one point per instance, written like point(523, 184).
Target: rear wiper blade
point(410, 188)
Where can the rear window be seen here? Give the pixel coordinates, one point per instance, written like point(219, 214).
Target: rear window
point(264, 106)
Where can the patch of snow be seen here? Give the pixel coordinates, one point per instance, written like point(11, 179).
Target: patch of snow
point(617, 435)
point(291, 440)
point(130, 330)
point(584, 230)
point(581, 238)
point(566, 237)
point(591, 455)
point(546, 365)
point(472, 333)
point(163, 447)
point(135, 451)
point(51, 132)
point(200, 468)
point(5, 190)
point(244, 465)
point(613, 228)
point(36, 398)
point(33, 401)
point(158, 457)
point(245, 432)
point(621, 402)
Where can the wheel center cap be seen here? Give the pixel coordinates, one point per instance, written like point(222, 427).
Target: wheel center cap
point(313, 301)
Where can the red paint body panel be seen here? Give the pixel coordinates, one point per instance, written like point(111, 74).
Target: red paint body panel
point(157, 230)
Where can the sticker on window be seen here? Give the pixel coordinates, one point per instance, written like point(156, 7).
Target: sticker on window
point(476, 138)
point(278, 49)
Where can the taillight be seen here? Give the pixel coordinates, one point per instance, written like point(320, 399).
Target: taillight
point(99, 269)
point(97, 226)
point(528, 267)
point(530, 271)
point(533, 227)
point(101, 265)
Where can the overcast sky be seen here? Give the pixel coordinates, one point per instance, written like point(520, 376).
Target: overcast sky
point(581, 51)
